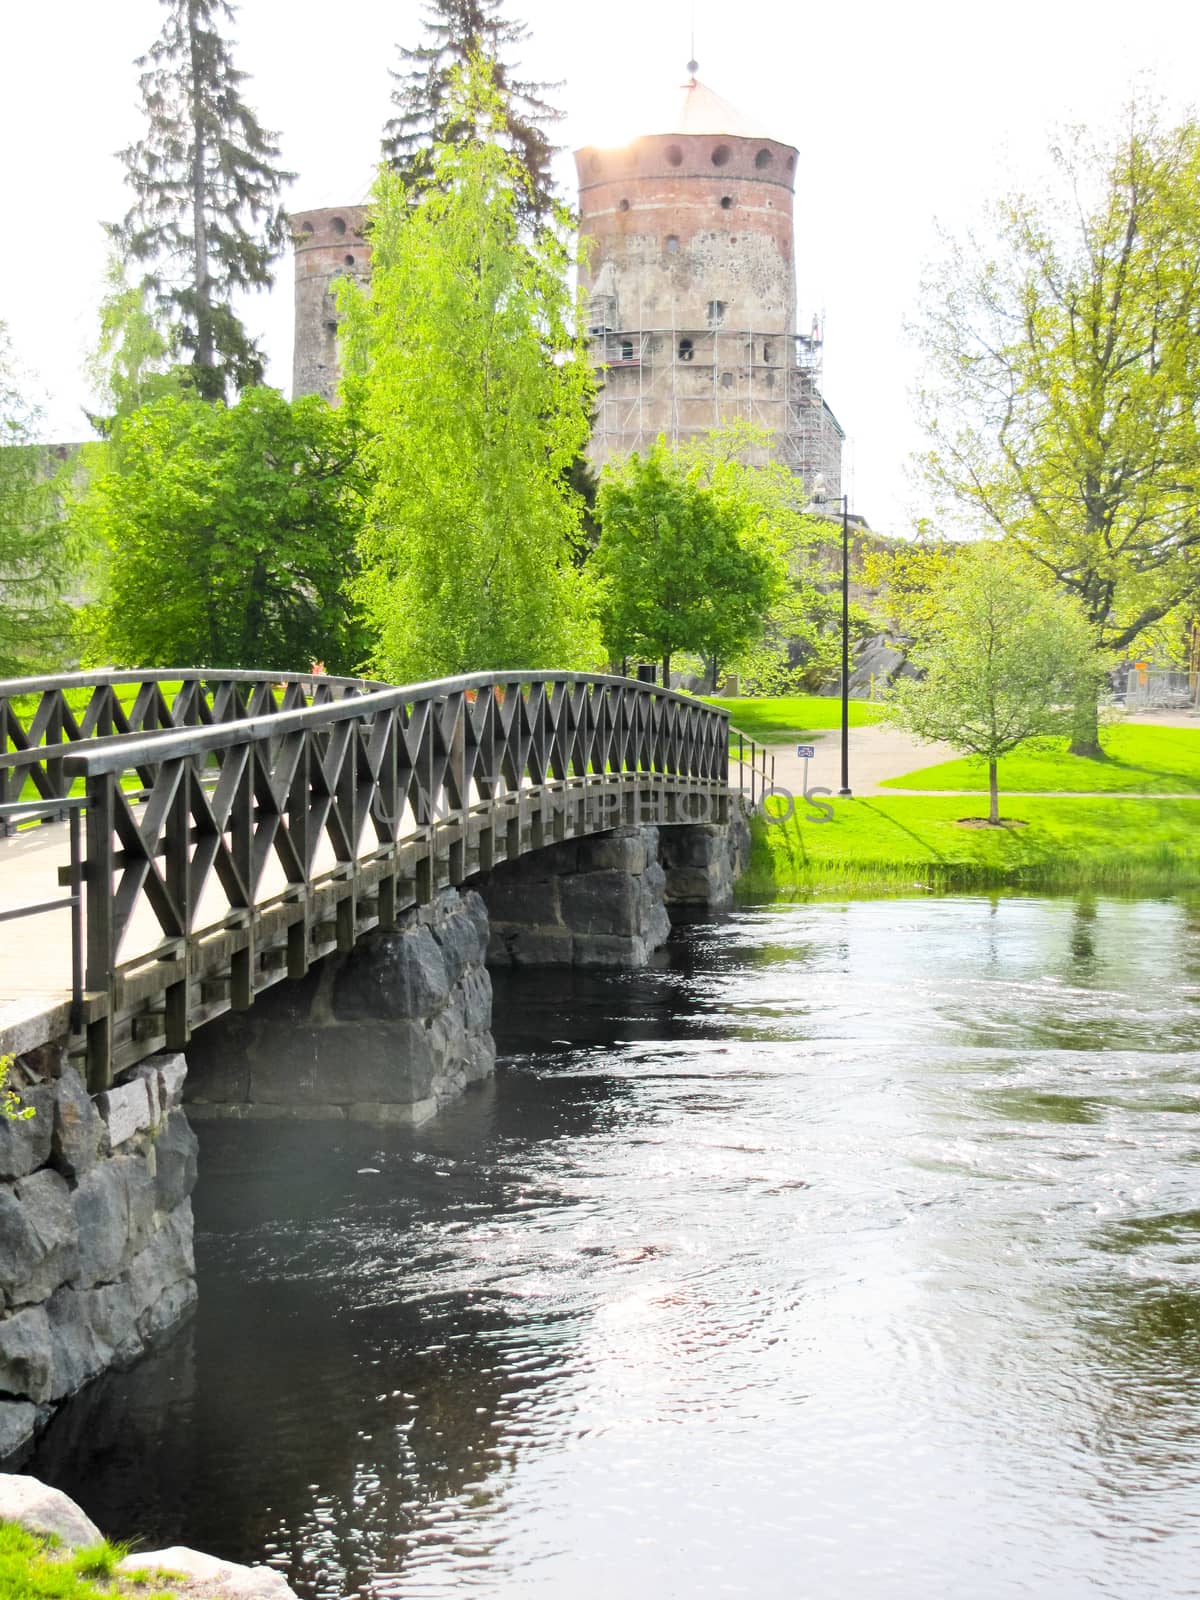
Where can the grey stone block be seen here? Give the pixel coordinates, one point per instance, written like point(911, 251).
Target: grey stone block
point(140, 1187)
point(101, 1206)
point(620, 851)
point(39, 1241)
point(26, 1367)
point(148, 1073)
point(392, 973)
point(176, 1152)
point(75, 1354)
point(79, 1136)
point(477, 999)
point(127, 1110)
point(169, 1258)
point(459, 940)
point(39, 1509)
point(25, 1141)
point(357, 1061)
point(601, 902)
point(173, 1306)
point(514, 895)
point(609, 950)
point(19, 1422)
point(172, 1075)
point(219, 1056)
point(517, 946)
point(112, 1315)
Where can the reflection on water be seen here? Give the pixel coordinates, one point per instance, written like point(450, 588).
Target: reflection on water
point(856, 1252)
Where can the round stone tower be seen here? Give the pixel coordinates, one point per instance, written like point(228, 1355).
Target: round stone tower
point(329, 244)
point(690, 287)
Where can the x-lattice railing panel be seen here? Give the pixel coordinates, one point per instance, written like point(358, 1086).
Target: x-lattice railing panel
point(251, 847)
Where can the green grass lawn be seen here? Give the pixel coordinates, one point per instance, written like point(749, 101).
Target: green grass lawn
point(779, 721)
point(1138, 759)
point(890, 843)
point(31, 1570)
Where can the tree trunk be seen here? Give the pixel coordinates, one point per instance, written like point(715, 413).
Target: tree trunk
point(205, 354)
point(714, 674)
point(666, 671)
point(993, 794)
point(1085, 731)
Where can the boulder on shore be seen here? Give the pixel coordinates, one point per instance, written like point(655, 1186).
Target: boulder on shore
point(37, 1508)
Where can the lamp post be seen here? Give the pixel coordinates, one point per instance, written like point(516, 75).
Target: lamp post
point(821, 497)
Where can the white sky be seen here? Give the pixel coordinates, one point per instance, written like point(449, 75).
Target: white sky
point(902, 114)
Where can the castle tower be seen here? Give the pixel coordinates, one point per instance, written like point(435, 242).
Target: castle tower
point(691, 292)
point(329, 244)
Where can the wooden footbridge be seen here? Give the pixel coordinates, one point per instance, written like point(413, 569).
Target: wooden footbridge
point(211, 833)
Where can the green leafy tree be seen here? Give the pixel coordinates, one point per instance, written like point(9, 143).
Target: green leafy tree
point(687, 565)
point(1064, 391)
point(35, 553)
point(475, 392)
point(1004, 658)
point(430, 112)
point(229, 536)
point(206, 214)
point(132, 362)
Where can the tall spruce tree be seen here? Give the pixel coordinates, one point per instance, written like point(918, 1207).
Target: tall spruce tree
point(428, 114)
point(206, 214)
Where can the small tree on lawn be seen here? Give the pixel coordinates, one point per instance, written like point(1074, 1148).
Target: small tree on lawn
point(1005, 658)
point(683, 564)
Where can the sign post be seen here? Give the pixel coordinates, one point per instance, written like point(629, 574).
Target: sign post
point(806, 752)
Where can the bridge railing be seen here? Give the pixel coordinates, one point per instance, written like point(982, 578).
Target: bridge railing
point(42, 718)
point(252, 848)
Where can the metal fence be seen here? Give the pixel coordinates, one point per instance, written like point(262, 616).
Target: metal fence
point(1146, 688)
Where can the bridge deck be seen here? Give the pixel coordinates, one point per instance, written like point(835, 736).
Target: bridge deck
point(254, 846)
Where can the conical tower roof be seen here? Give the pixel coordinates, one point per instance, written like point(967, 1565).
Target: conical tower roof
point(699, 109)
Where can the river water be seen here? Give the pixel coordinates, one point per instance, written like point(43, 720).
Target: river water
point(853, 1253)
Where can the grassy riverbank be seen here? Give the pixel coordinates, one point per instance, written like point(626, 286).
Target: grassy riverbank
point(1138, 758)
point(791, 716)
point(30, 1569)
point(887, 843)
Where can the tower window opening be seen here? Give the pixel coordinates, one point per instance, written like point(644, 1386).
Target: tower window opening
point(624, 206)
point(726, 202)
point(686, 350)
point(727, 380)
point(716, 313)
point(672, 245)
point(763, 159)
point(720, 155)
point(674, 155)
point(766, 352)
point(626, 349)
point(338, 226)
point(791, 162)
point(349, 260)
point(306, 227)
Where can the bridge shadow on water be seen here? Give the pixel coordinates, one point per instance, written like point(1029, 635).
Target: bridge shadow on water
point(345, 1375)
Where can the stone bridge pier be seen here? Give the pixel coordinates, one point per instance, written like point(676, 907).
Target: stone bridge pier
point(400, 1025)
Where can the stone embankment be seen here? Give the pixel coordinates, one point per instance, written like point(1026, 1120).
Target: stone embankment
point(52, 1515)
point(95, 1231)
